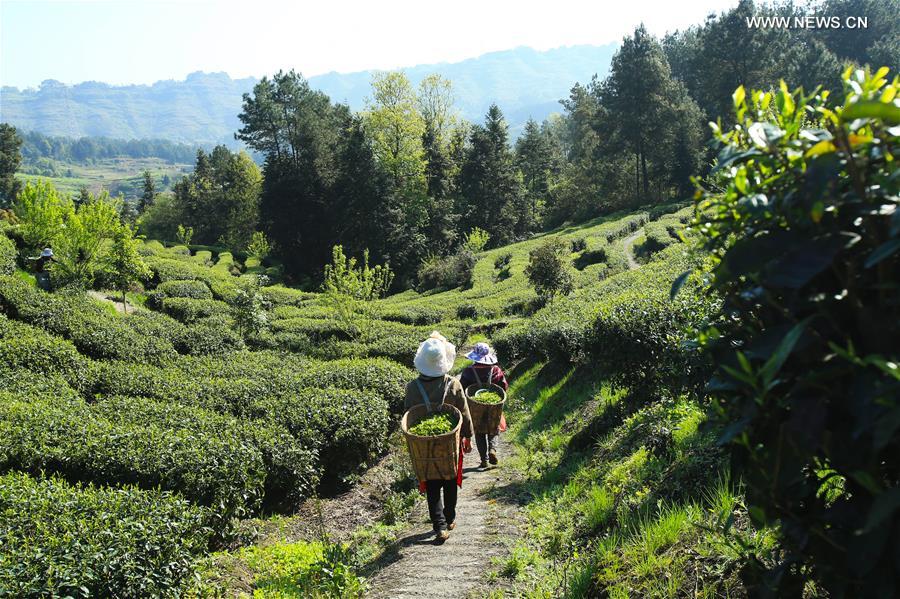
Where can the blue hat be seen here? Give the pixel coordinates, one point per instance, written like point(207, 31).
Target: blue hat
point(482, 354)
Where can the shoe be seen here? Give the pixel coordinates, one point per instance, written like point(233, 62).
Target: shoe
point(451, 526)
point(441, 536)
point(492, 456)
point(483, 464)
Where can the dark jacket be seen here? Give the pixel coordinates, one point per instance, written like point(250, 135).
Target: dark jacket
point(482, 372)
point(434, 387)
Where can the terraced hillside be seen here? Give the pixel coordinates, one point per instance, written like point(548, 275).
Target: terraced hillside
point(190, 433)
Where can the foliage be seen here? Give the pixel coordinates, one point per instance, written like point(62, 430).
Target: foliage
point(81, 247)
point(548, 270)
point(439, 424)
point(805, 236)
point(449, 272)
point(8, 255)
point(42, 212)
point(10, 159)
point(476, 240)
point(92, 329)
point(248, 306)
point(184, 235)
point(193, 289)
point(259, 246)
point(80, 540)
point(220, 198)
point(125, 262)
point(350, 289)
point(214, 468)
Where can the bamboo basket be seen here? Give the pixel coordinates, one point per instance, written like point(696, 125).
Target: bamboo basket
point(433, 458)
point(485, 416)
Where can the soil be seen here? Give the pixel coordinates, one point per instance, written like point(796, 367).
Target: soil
point(416, 567)
point(628, 243)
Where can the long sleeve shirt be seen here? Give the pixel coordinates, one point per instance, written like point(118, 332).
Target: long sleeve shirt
point(434, 388)
point(484, 373)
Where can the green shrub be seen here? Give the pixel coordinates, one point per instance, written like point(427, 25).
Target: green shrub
point(66, 540)
point(449, 272)
point(38, 433)
point(285, 296)
point(418, 315)
point(192, 289)
point(7, 255)
point(209, 336)
point(28, 348)
point(805, 233)
point(95, 331)
point(189, 310)
point(348, 426)
point(548, 269)
point(290, 468)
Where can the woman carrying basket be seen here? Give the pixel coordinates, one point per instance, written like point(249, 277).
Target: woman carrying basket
point(484, 372)
point(434, 386)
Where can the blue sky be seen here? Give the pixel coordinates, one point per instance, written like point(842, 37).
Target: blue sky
point(142, 41)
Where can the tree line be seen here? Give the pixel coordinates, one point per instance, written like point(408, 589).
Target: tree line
point(407, 179)
point(84, 149)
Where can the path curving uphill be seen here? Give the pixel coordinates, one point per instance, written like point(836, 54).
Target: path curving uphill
point(418, 568)
point(628, 244)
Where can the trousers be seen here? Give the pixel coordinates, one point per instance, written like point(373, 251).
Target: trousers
point(485, 443)
point(442, 512)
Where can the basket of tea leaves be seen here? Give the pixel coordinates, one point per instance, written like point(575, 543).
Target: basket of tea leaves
point(432, 439)
point(486, 407)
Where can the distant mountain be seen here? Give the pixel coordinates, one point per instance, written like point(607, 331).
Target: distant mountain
point(204, 107)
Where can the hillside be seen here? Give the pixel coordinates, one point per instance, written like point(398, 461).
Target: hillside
point(222, 420)
point(203, 108)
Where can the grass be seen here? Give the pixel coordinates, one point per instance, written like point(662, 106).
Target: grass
point(114, 174)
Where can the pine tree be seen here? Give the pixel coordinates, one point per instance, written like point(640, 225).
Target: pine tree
point(10, 159)
point(149, 193)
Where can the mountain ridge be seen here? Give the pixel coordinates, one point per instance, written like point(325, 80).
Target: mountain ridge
point(203, 107)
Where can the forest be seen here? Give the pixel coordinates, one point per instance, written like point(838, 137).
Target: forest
point(690, 276)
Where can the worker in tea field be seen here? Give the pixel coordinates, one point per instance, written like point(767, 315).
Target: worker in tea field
point(434, 386)
point(41, 264)
point(483, 372)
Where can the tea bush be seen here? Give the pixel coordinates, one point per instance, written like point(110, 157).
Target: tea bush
point(210, 336)
point(64, 540)
point(193, 289)
point(38, 433)
point(278, 295)
point(189, 310)
point(31, 349)
point(7, 255)
point(290, 467)
point(96, 332)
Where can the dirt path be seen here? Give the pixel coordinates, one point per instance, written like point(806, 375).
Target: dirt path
point(628, 244)
point(418, 568)
point(102, 297)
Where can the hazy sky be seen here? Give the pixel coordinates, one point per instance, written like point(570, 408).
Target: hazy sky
point(141, 41)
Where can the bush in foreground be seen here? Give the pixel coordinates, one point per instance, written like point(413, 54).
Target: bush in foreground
point(62, 540)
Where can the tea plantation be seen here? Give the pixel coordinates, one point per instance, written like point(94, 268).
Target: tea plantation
point(162, 428)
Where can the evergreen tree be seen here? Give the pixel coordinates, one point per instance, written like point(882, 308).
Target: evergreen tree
point(10, 159)
point(534, 159)
point(491, 191)
point(149, 193)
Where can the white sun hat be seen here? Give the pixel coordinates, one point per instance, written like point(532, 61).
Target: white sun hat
point(46, 253)
point(435, 356)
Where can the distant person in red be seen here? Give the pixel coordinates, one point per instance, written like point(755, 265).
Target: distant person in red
point(484, 371)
